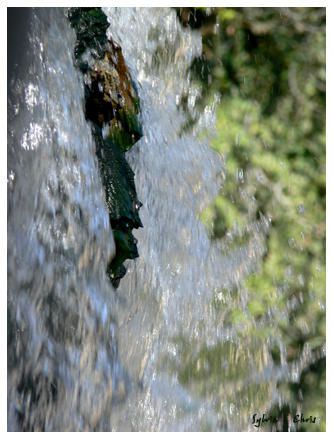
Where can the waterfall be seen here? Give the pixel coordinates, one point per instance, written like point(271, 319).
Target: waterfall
point(83, 356)
point(61, 333)
point(168, 292)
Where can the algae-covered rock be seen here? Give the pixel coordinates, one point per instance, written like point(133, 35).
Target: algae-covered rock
point(112, 105)
point(90, 25)
point(118, 180)
point(111, 99)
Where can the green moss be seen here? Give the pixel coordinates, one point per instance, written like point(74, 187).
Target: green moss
point(127, 130)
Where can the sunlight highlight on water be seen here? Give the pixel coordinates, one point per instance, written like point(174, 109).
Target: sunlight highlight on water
point(162, 352)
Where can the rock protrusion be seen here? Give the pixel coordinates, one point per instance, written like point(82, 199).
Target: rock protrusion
point(112, 105)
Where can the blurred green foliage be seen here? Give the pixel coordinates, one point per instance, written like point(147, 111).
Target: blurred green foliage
point(268, 67)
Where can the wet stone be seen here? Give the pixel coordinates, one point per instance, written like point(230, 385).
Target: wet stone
point(112, 105)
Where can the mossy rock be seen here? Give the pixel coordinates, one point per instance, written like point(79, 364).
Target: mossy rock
point(118, 180)
point(112, 105)
point(90, 25)
point(110, 94)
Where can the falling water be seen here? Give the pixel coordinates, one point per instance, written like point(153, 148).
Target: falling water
point(168, 293)
point(62, 351)
point(96, 358)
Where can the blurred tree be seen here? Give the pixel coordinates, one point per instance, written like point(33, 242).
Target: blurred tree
point(267, 65)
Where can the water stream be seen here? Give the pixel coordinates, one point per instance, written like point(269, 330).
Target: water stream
point(168, 291)
point(139, 357)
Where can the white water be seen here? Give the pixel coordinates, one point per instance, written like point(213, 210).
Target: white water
point(115, 356)
point(168, 291)
point(59, 243)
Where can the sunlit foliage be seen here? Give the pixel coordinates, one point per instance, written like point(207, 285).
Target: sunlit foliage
point(267, 65)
